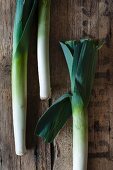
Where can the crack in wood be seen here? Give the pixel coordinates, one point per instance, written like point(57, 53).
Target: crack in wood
point(1, 161)
point(52, 150)
point(20, 163)
point(36, 157)
point(52, 155)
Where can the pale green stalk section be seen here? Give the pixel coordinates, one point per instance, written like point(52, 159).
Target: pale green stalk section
point(43, 48)
point(80, 138)
point(19, 100)
point(80, 142)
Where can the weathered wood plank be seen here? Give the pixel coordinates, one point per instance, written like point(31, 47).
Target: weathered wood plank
point(67, 25)
point(38, 154)
point(8, 159)
point(100, 164)
point(107, 24)
point(70, 20)
point(81, 19)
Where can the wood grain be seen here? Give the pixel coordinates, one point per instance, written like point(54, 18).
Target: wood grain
point(85, 18)
point(70, 20)
point(38, 154)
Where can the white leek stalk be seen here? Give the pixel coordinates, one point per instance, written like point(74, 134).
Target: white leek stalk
point(19, 101)
point(23, 19)
point(80, 139)
point(43, 48)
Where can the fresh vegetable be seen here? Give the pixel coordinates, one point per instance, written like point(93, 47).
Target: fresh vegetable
point(22, 24)
point(81, 58)
point(43, 48)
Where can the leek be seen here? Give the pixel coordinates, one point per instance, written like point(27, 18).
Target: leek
point(22, 23)
point(81, 58)
point(43, 48)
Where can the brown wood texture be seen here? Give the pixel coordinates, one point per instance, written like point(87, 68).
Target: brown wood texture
point(71, 19)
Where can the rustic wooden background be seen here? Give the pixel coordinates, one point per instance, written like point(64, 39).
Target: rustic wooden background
point(70, 19)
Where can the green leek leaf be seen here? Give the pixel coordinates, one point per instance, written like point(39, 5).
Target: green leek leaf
point(68, 56)
point(54, 118)
point(81, 60)
point(23, 19)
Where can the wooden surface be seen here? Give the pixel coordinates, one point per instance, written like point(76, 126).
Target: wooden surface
point(71, 19)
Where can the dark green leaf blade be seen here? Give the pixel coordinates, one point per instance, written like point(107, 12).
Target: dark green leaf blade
point(22, 24)
point(83, 64)
point(54, 118)
point(86, 69)
point(76, 54)
point(68, 56)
